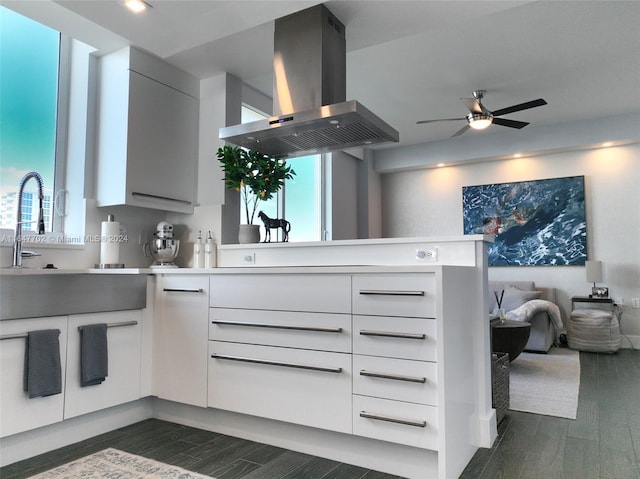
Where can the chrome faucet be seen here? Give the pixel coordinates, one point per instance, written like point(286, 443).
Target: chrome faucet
point(17, 241)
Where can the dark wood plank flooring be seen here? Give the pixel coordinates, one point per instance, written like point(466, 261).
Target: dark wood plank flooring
point(602, 443)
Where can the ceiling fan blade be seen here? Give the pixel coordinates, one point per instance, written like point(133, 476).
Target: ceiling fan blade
point(472, 104)
point(441, 119)
point(520, 107)
point(510, 123)
point(460, 131)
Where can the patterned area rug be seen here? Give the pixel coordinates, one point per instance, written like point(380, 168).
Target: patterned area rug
point(114, 464)
point(546, 384)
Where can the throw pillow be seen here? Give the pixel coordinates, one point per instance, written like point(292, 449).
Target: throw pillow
point(514, 297)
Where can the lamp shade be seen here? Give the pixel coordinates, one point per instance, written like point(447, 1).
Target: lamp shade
point(594, 271)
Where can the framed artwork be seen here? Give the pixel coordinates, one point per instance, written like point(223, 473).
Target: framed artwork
point(535, 223)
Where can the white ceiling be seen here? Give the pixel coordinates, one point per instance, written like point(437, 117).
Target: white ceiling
point(407, 60)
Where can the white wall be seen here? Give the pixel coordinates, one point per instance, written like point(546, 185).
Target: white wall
point(428, 202)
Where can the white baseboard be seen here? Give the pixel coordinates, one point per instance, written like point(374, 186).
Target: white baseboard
point(38, 441)
point(382, 456)
point(630, 341)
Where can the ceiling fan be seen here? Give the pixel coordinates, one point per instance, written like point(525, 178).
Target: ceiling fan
point(480, 118)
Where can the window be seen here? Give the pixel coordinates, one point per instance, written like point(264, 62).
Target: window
point(29, 61)
point(300, 201)
point(303, 200)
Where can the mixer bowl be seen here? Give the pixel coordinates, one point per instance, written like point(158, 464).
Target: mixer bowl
point(164, 251)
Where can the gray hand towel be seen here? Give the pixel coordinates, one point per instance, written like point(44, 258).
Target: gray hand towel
point(94, 358)
point(42, 370)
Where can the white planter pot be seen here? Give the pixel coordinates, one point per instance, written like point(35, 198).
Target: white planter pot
point(249, 234)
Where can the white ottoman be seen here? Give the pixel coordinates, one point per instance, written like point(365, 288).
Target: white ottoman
point(594, 330)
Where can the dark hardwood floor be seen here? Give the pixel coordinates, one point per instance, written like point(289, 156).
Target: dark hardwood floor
point(602, 443)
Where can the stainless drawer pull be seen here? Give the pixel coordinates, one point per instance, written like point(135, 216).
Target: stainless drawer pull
point(397, 377)
point(14, 336)
point(390, 334)
point(116, 325)
point(26, 335)
point(278, 326)
point(390, 292)
point(396, 420)
point(276, 363)
point(158, 197)
point(174, 290)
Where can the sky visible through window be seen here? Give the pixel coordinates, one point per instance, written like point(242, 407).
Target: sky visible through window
point(29, 53)
point(302, 194)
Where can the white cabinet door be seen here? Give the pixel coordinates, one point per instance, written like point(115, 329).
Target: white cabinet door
point(147, 146)
point(181, 336)
point(162, 146)
point(18, 413)
point(311, 388)
point(123, 382)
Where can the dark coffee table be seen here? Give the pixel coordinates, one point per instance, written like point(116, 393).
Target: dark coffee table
point(509, 337)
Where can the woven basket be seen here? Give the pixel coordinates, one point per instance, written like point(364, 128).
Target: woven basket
point(500, 384)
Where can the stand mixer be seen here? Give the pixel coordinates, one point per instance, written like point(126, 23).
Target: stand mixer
point(164, 249)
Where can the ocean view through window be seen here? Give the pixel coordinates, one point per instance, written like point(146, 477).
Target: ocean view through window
point(29, 65)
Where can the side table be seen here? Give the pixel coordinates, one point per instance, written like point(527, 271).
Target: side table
point(608, 302)
point(509, 336)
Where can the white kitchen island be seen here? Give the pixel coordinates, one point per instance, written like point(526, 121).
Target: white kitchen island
point(371, 352)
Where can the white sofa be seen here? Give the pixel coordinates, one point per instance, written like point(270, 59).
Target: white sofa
point(543, 332)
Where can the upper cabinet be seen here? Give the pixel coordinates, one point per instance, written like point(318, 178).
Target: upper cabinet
point(147, 142)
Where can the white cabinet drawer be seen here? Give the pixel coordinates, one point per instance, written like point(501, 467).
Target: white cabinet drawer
point(180, 342)
point(411, 295)
point(399, 379)
point(311, 388)
point(284, 292)
point(18, 413)
point(123, 382)
point(321, 331)
point(393, 421)
point(407, 338)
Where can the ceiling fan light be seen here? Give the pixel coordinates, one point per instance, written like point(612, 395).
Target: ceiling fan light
point(136, 6)
point(479, 121)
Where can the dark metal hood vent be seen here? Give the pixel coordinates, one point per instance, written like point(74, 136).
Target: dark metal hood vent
point(311, 114)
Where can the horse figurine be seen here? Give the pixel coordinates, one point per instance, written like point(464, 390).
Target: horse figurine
point(274, 223)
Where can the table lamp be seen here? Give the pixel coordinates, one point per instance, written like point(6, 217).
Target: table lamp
point(594, 275)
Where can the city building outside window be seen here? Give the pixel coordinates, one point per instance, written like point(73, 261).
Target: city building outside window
point(29, 62)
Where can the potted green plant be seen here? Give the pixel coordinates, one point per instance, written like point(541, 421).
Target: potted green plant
point(256, 176)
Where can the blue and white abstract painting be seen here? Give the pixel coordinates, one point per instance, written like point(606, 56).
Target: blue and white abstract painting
point(535, 223)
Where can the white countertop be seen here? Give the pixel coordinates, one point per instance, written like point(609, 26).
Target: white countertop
point(363, 254)
point(56, 271)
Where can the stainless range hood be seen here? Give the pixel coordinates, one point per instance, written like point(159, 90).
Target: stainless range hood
point(309, 90)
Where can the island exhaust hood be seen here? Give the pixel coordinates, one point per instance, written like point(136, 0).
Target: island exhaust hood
point(310, 112)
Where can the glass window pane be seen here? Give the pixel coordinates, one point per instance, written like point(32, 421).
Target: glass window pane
point(302, 199)
point(29, 58)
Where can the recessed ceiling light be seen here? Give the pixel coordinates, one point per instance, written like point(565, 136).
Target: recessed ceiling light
point(136, 6)
point(517, 155)
point(440, 165)
point(607, 144)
